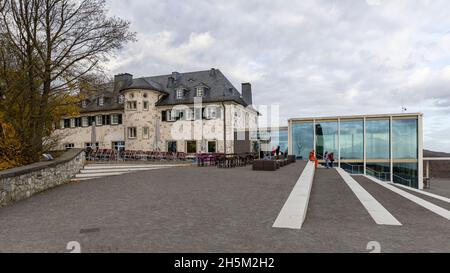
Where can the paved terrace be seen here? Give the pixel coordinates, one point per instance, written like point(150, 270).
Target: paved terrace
point(194, 209)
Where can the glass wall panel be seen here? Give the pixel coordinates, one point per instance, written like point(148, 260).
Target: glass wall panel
point(283, 140)
point(406, 174)
point(302, 139)
point(378, 140)
point(352, 140)
point(405, 139)
point(326, 138)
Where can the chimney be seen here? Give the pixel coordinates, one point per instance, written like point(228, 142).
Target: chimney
point(176, 76)
point(212, 72)
point(247, 93)
point(170, 82)
point(122, 81)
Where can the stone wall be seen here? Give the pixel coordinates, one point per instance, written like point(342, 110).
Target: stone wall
point(22, 182)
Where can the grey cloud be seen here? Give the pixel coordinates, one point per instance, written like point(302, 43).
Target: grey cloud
point(311, 57)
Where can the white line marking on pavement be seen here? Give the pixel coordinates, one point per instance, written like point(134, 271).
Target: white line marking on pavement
point(442, 198)
point(419, 201)
point(293, 213)
point(380, 214)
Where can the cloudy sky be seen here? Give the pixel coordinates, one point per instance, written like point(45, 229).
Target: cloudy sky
point(312, 58)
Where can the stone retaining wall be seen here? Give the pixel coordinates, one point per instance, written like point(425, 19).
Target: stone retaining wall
point(22, 182)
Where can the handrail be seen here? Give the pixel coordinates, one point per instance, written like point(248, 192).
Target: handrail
point(353, 167)
point(379, 174)
point(409, 181)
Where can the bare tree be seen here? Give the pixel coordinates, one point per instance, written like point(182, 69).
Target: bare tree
point(52, 45)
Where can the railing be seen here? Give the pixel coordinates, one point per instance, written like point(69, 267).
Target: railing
point(408, 181)
point(354, 169)
point(384, 176)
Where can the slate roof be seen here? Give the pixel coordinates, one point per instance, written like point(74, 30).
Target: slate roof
point(110, 100)
point(143, 83)
point(218, 89)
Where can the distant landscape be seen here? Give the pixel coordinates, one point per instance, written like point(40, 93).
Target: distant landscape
point(440, 169)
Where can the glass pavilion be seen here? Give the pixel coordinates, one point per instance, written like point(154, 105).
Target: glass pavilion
point(388, 147)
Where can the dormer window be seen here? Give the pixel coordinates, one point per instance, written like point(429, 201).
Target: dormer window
point(199, 92)
point(101, 101)
point(180, 94)
point(84, 103)
point(120, 99)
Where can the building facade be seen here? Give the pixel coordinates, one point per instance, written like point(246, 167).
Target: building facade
point(389, 147)
point(182, 112)
point(272, 137)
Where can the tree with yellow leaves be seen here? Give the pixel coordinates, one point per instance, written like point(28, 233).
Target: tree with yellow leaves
point(10, 146)
point(48, 48)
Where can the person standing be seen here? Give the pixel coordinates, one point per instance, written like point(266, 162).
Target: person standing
point(313, 158)
point(278, 150)
point(331, 157)
point(326, 158)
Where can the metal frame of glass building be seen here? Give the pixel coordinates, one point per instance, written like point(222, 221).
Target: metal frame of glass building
point(389, 146)
point(272, 137)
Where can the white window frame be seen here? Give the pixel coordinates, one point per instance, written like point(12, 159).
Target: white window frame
point(72, 123)
point(146, 135)
point(89, 145)
point(199, 92)
point(83, 104)
point(170, 115)
point(114, 116)
point(143, 105)
point(180, 94)
point(186, 145)
point(121, 99)
point(190, 114)
point(99, 120)
point(132, 103)
point(101, 101)
point(69, 146)
point(129, 130)
point(84, 122)
point(211, 112)
point(170, 141)
point(207, 145)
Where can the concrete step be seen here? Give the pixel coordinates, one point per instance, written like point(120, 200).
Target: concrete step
point(82, 179)
point(111, 170)
point(96, 175)
point(129, 166)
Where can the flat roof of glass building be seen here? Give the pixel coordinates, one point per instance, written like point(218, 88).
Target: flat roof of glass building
point(399, 115)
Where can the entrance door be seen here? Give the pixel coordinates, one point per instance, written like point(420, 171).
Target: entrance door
point(119, 146)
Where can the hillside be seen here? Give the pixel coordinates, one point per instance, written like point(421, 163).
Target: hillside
point(438, 168)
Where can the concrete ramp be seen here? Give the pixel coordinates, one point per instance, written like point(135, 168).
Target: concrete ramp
point(294, 211)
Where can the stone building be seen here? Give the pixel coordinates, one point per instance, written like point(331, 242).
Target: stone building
point(181, 112)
